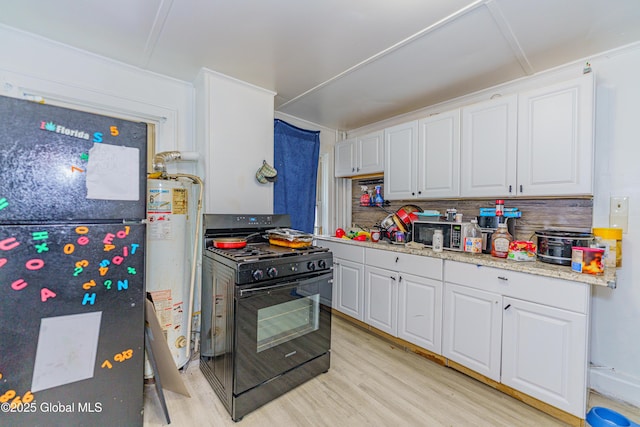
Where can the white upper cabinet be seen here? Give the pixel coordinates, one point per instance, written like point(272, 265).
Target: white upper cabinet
point(370, 153)
point(422, 158)
point(555, 139)
point(439, 155)
point(345, 158)
point(360, 156)
point(489, 148)
point(401, 161)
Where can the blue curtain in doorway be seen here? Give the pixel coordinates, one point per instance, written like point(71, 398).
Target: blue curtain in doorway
point(295, 155)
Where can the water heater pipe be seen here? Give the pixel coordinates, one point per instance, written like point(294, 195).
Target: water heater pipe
point(160, 160)
point(194, 262)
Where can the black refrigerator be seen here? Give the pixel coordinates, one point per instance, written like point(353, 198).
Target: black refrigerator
point(72, 241)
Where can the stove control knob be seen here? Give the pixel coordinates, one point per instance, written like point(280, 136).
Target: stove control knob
point(311, 266)
point(258, 274)
point(322, 264)
point(272, 272)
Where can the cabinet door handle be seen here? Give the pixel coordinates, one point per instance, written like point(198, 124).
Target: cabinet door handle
point(397, 258)
point(419, 192)
point(413, 194)
point(399, 279)
point(503, 278)
point(507, 307)
point(510, 189)
point(392, 278)
point(521, 188)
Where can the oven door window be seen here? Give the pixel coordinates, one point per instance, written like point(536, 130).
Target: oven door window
point(280, 327)
point(287, 321)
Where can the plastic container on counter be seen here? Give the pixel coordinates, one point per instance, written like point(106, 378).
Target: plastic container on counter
point(612, 238)
point(473, 238)
point(438, 238)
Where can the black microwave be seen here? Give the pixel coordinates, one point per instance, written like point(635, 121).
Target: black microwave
point(451, 233)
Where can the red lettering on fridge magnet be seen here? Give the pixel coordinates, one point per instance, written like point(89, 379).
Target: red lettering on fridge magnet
point(34, 264)
point(108, 239)
point(3, 261)
point(8, 244)
point(45, 294)
point(19, 285)
point(83, 240)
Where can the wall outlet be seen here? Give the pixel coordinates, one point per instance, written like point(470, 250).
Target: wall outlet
point(619, 212)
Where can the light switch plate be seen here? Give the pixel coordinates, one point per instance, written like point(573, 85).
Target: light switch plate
point(619, 212)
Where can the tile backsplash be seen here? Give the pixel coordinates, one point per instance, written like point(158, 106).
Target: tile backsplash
point(540, 213)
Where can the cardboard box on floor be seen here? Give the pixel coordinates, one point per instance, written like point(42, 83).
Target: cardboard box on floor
point(167, 370)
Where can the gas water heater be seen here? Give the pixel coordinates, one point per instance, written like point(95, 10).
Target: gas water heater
point(168, 273)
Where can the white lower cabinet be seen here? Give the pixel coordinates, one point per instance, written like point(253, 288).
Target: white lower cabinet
point(528, 332)
point(381, 299)
point(348, 278)
point(420, 311)
point(473, 329)
point(544, 353)
point(403, 296)
point(348, 282)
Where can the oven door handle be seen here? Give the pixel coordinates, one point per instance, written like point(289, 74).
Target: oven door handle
point(292, 284)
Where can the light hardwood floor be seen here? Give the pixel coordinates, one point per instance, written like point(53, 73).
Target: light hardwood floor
point(371, 383)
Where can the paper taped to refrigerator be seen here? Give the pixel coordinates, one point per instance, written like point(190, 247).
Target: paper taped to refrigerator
point(67, 347)
point(113, 172)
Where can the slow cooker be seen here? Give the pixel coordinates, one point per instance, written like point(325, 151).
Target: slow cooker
point(554, 246)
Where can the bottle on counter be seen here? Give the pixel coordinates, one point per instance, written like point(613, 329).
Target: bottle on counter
point(437, 241)
point(365, 198)
point(473, 238)
point(379, 200)
point(500, 241)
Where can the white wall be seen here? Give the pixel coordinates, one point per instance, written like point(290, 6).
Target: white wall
point(61, 75)
point(615, 332)
point(234, 128)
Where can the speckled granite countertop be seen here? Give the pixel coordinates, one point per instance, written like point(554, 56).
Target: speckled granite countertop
point(536, 267)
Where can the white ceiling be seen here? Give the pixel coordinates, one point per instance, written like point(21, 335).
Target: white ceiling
point(339, 63)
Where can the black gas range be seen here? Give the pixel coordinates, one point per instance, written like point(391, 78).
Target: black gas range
point(260, 262)
point(266, 312)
